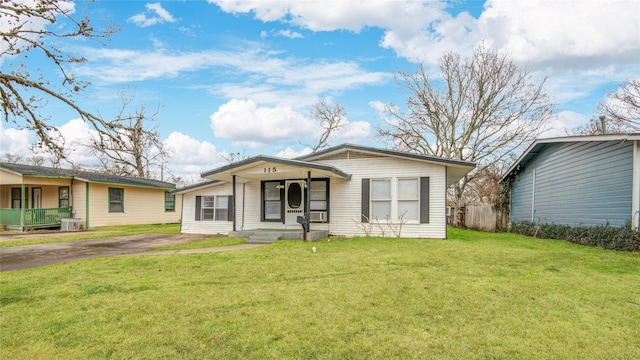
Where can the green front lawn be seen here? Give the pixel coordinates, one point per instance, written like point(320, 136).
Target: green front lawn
point(476, 295)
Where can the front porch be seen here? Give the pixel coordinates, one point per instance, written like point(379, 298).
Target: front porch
point(28, 219)
point(269, 236)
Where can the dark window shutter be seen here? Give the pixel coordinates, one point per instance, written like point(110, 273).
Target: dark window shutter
point(282, 204)
point(230, 209)
point(365, 200)
point(198, 207)
point(424, 200)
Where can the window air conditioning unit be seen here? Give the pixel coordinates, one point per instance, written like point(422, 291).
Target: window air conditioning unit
point(318, 216)
point(69, 224)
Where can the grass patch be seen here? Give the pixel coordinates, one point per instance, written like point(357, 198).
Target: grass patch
point(475, 295)
point(204, 244)
point(93, 233)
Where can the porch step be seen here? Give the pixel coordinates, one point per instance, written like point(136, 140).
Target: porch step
point(263, 239)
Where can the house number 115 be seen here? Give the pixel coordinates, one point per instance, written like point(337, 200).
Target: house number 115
point(270, 169)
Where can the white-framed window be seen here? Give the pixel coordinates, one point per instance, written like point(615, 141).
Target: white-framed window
point(409, 199)
point(380, 199)
point(319, 195)
point(395, 199)
point(215, 208)
point(222, 208)
point(272, 201)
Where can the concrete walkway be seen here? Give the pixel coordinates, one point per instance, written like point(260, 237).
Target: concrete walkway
point(29, 256)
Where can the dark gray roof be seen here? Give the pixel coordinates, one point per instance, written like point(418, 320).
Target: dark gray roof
point(194, 186)
point(388, 152)
point(272, 159)
point(90, 176)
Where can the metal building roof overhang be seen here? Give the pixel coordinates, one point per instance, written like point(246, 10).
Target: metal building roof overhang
point(272, 168)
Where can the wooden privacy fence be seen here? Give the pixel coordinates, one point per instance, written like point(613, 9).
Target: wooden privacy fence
point(482, 217)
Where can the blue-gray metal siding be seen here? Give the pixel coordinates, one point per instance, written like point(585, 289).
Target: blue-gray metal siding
point(577, 184)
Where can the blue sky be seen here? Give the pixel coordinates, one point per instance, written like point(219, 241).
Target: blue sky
point(241, 76)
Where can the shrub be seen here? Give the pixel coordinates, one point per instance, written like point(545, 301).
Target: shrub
point(605, 236)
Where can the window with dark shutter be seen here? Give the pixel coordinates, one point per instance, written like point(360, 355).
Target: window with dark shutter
point(424, 200)
point(365, 200)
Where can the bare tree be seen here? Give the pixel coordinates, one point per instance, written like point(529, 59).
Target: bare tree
point(130, 149)
point(27, 29)
point(622, 108)
point(331, 118)
point(600, 126)
point(234, 157)
point(480, 109)
point(35, 160)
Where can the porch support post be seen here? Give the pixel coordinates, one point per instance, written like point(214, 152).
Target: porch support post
point(308, 205)
point(233, 181)
point(23, 203)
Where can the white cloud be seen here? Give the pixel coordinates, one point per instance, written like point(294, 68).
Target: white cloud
point(556, 31)
point(189, 157)
point(27, 27)
point(290, 34)
point(535, 31)
point(246, 124)
point(354, 132)
point(160, 15)
point(76, 134)
point(15, 141)
point(563, 123)
point(289, 153)
point(256, 74)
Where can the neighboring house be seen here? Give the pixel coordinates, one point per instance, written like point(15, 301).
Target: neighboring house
point(346, 190)
point(39, 197)
point(577, 181)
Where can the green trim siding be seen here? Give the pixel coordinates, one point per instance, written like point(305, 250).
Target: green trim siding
point(86, 205)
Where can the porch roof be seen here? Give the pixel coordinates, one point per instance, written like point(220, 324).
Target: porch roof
point(87, 176)
point(264, 167)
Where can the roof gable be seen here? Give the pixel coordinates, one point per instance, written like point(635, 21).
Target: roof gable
point(540, 144)
point(347, 149)
point(88, 176)
point(269, 167)
point(456, 169)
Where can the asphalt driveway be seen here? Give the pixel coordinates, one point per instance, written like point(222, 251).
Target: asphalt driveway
point(23, 257)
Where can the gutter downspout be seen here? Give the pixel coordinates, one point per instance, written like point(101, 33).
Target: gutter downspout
point(86, 205)
point(635, 191)
point(23, 200)
point(308, 205)
point(233, 182)
point(533, 197)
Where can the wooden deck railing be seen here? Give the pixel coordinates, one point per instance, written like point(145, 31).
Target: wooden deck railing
point(33, 218)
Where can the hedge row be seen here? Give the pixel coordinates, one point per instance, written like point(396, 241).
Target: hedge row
point(605, 236)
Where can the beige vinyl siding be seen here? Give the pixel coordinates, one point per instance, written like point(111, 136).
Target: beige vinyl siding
point(7, 177)
point(141, 206)
point(49, 195)
point(192, 226)
point(49, 188)
point(78, 198)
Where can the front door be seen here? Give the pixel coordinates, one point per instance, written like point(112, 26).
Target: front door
point(36, 198)
point(294, 201)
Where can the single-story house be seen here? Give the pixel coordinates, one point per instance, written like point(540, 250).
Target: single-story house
point(577, 181)
point(39, 197)
point(347, 190)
